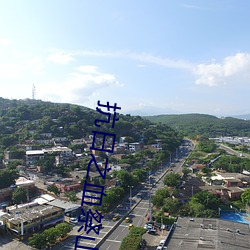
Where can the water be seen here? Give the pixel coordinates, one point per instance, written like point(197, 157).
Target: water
point(235, 216)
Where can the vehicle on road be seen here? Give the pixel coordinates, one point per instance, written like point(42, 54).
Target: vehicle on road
point(116, 217)
point(130, 225)
point(127, 220)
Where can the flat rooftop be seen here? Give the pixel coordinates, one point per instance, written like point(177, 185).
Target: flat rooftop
point(30, 213)
point(205, 233)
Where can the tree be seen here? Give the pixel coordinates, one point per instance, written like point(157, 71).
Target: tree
point(126, 179)
point(38, 241)
point(113, 196)
point(141, 174)
point(186, 171)
point(53, 189)
point(170, 205)
point(19, 195)
point(172, 180)
point(51, 234)
point(63, 228)
point(160, 196)
point(71, 195)
point(7, 177)
point(245, 197)
point(207, 199)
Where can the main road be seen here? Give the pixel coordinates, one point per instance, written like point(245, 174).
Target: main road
point(113, 232)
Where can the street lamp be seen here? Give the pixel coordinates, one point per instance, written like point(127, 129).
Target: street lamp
point(130, 194)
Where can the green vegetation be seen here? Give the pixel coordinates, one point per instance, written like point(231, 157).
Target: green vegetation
point(172, 180)
point(19, 195)
point(200, 124)
point(245, 197)
point(49, 236)
point(7, 177)
point(133, 240)
point(232, 163)
point(53, 189)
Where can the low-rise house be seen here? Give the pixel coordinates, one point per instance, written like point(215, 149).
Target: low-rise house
point(67, 184)
point(234, 192)
point(32, 156)
point(119, 166)
point(135, 146)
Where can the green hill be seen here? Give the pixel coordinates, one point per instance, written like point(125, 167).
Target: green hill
point(27, 120)
point(208, 125)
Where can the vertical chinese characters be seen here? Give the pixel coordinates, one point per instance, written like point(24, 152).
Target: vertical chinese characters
point(92, 193)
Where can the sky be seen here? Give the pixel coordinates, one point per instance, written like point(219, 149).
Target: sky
point(149, 57)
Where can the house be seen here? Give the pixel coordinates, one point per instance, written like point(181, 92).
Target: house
point(118, 167)
point(234, 192)
point(134, 146)
point(67, 184)
point(32, 156)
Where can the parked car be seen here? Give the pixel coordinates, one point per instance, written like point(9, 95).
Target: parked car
point(148, 226)
point(152, 231)
point(73, 220)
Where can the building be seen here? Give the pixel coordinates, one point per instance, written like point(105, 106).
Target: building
point(25, 219)
point(206, 233)
point(32, 156)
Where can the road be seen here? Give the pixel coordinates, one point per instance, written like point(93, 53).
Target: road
point(115, 231)
point(141, 211)
point(231, 151)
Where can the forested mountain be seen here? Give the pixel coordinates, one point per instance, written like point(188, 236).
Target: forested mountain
point(25, 120)
point(208, 125)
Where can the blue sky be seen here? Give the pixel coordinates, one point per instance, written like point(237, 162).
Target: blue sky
point(150, 57)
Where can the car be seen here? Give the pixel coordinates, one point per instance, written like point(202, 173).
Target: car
point(73, 220)
point(152, 231)
point(127, 220)
point(162, 243)
point(148, 226)
point(95, 225)
point(161, 248)
point(130, 225)
point(116, 217)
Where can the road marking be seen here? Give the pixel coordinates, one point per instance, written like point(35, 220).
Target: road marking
point(117, 241)
point(141, 208)
point(122, 225)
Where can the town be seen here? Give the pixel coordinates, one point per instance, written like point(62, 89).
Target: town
point(156, 185)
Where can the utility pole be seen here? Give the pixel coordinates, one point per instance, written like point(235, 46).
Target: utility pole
point(150, 207)
point(130, 194)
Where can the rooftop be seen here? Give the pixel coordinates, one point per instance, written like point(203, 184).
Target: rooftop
point(204, 233)
point(29, 212)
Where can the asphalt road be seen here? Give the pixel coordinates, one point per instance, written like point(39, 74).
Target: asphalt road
point(138, 215)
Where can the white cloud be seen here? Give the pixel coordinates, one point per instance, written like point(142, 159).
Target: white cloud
point(4, 41)
point(142, 57)
point(88, 69)
point(80, 86)
point(232, 67)
point(19, 70)
point(60, 57)
point(12, 70)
